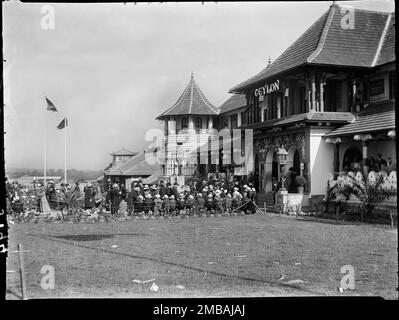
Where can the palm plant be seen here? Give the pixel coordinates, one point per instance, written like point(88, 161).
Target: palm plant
point(338, 193)
point(70, 200)
point(368, 191)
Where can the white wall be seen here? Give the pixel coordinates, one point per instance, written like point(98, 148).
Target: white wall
point(321, 161)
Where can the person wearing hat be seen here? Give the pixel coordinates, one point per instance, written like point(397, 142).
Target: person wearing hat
point(148, 204)
point(114, 199)
point(166, 205)
point(162, 188)
point(153, 191)
point(89, 196)
point(200, 203)
point(140, 203)
point(181, 203)
point(218, 202)
point(190, 203)
point(175, 190)
point(228, 202)
point(209, 202)
point(157, 204)
point(172, 204)
point(51, 195)
point(132, 198)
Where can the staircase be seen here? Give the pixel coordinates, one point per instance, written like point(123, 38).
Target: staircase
point(267, 198)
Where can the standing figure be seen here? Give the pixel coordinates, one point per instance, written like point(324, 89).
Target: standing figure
point(166, 205)
point(157, 204)
point(172, 204)
point(89, 196)
point(44, 205)
point(114, 199)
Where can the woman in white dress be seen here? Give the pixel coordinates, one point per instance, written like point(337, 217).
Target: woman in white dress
point(44, 206)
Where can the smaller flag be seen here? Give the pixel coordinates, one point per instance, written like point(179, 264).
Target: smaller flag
point(50, 105)
point(63, 123)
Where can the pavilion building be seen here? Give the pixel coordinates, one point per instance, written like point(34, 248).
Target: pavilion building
point(187, 125)
point(328, 100)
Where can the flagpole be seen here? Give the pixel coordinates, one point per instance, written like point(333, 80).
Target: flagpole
point(65, 153)
point(44, 138)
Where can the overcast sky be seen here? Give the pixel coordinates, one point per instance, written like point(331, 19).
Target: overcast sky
point(112, 68)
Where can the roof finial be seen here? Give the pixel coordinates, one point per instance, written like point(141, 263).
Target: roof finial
point(269, 61)
point(192, 74)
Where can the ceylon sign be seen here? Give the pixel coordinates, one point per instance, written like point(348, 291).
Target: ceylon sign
point(268, 88)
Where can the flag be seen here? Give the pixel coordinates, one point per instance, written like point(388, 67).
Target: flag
point(50, 105)
point(63, 123)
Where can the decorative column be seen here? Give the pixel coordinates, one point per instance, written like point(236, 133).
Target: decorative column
point(210, 123)
point(190, 123)
point(364, 138)
point(336, 142)
point(313, 91)
point(322, 83)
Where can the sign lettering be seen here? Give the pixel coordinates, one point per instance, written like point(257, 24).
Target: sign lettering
point(268, 88)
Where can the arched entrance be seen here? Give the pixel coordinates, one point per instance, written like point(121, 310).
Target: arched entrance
point(352, 158)
point(271, 169)
point(260, 174)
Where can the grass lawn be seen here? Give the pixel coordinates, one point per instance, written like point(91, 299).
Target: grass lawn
point(214, 256)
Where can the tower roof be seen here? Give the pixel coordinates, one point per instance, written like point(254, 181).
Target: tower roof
point(191, 101)
point(123, 152)
point(369, 43)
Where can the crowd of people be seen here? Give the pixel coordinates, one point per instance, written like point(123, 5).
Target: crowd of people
point(199, 197)
point(373, 164)
point(214, 194)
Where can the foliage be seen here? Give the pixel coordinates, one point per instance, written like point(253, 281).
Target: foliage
point(300, 181)
point(71, 201)
point(369, 192)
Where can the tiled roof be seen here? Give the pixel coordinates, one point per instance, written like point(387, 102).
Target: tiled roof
point(191, 101)
point(152, 179)
point(327, 43)
point(372, 119)
point(334, 117)
point(387, 53)
point(124, 152)
point(137, 166)
point(236, 101)
point(124, 164)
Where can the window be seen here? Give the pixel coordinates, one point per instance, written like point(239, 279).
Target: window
point(225, 123)
point(377, 87)
point(392, 84)
point(198, 123)
point(243, 118)
point(184, 123)
point(233, 121)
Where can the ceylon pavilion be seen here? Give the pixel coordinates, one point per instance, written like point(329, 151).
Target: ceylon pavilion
point(328, 101)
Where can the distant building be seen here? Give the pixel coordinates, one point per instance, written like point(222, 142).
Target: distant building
point(128, 166)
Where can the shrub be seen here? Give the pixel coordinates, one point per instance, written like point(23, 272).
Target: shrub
point(300, 181)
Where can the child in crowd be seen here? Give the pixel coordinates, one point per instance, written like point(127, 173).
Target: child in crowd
point(157, 204)
point(166, 205)
point(172, 204)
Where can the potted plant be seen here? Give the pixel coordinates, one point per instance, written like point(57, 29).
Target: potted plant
point(300, 183)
